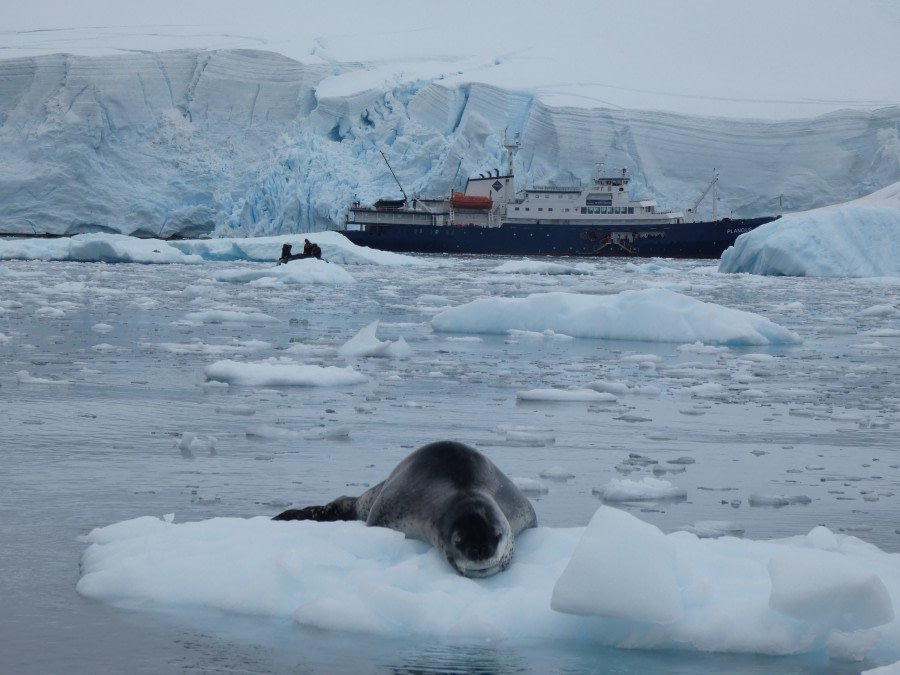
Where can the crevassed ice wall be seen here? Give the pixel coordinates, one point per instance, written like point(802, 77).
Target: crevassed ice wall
point(242, 143)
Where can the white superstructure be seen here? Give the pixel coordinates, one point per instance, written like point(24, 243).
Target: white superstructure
point(491, 200)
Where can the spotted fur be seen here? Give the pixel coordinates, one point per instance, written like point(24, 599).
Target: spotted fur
point(449, 495)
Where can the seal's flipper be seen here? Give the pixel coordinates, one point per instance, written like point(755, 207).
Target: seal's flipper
point(342, 508)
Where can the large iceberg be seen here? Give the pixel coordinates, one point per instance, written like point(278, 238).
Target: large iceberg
point(856, 239)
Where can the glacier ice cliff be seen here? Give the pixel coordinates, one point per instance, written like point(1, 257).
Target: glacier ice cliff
point(194, 143)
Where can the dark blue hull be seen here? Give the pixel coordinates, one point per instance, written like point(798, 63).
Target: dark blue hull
point(682, 240)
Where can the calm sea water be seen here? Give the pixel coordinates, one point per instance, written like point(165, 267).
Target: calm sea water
point(98, 445)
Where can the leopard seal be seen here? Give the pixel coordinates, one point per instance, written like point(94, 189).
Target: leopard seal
point(447, 494)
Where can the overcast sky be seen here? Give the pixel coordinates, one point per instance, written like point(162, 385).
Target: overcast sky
point(765, 57)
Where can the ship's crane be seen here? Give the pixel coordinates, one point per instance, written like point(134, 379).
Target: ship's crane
point(405, 198)
point(714, 186)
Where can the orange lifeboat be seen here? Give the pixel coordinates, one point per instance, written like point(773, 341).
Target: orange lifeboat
point(462, 201)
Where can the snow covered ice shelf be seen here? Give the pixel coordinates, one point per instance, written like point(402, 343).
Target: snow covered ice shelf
point(251, 143)
point(117, 420)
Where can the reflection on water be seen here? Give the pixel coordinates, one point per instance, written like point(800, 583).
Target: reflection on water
point(96, 444)
point(254, 645)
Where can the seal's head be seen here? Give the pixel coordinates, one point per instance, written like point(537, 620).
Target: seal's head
point(475, 536)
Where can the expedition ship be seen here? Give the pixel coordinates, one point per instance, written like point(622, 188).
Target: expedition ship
point(490, 217)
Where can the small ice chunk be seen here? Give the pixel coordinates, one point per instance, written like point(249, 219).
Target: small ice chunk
point(622, 568)
point(399, 349)
point(326, 433)
point(190, 442)
point(243, 410)
point(433, 300)
point(712, 529)
point(23, 377)
point(527, 435)
point(613, 387)
point(565, 395)
point(884, 311)
point(777, 500)
point(646, 489)
point(530, 486)
point(659, 470)
point(364, 343)
point(556, 473)
point(700, 348)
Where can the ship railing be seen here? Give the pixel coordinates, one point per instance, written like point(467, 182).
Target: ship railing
point(373, 217)
point(555, 188)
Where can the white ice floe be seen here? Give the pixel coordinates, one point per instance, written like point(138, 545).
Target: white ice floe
point(566, 395)
point(649, 315)
point(336, 249)
point(281, 372)
point(229, 316)
point(24, 377)
point(119, 248)
point(111, 248)
point(269, 432)
point(619, 581)
point(540, 267)
point(777, 500)
point(308, 271)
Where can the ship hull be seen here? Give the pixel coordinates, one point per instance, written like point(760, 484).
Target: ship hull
point(681, 240)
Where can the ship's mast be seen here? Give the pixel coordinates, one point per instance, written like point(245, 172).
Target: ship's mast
point(511, 147)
